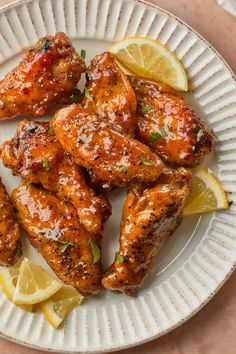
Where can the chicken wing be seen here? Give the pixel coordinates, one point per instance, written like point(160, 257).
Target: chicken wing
point(168, 124)
point(103, 147)
point(10, 246)
point(150, 215)
point(112, 96)
point(53, 228)
point(38, 157)
point(46, 75)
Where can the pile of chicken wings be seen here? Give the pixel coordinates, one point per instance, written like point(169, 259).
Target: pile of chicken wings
point(121, 131)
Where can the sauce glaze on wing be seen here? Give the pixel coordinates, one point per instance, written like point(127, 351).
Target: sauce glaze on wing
point(10, 246)
point(51, 223)
point(113, 156)
point(151, 214)
point(38, 157)
point(45, 76)
point(113, 98)
point(168, 124)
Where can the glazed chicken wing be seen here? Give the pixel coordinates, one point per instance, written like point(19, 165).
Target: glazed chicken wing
point(168, 124)
point(53, 228)
point(38, 157)
point(103, 147)
point(113, 98)
point(46, 75)
point(10, 246)
point(151, 214)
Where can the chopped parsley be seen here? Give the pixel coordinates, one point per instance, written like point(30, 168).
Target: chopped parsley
point(46, 165)
point(200, 134)
point(29, 172)
point(76, 96)
point(44, 44)
point(65, 245)
point(83, 53)
point(122, 168)
point(87, 94)
point(120, 258)
point(163, 132)
point(145, 161)
point(38, 87)
point(27, 185)
point(145, 109)
point(153, 137)
point(95, 250)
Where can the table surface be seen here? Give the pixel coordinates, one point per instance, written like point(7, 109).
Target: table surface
point(212, 330)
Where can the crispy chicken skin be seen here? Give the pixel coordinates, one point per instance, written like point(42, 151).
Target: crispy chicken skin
point(10, 246)
point(45, 76)
point(113, 98)
point(51, 223)
point(38, 157)
point(150, 216)
point(103, 147)
point(184, 139)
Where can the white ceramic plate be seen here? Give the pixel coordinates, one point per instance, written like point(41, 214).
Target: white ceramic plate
point(200, 256)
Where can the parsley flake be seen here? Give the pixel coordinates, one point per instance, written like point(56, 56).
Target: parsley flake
point(120, 258)
point(163, 132)
point(145, 109)
point(29, 172)
point(76, 96)
point(46, 165)
point(153, 137)
point(95, 250)
point(27, 185)
point(200, 134)
point(87, 94)
point(83, 53)
point(65, 245)
point(44, 44)
point(122, 168)
point(145, 161)
point(38, 87)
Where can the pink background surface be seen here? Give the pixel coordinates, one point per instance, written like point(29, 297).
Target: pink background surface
point(213, 329)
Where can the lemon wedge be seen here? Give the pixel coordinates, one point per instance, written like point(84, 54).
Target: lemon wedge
point(8, 280)
point(151, 59)
point(34, 284)
point(207, 194)
point(59, 305)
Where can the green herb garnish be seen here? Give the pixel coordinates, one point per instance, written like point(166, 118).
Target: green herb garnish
point(200, 134)
point(27, 185)
point(153, 137)
point(46, 165)
point(145, 109)
point(83, 53)
point(38, 87)
point(120, 258)
point(122, 168)
point(145, 161)
point(44, 44)
point(163, 132)
point(65, 245)
point(95, 250)
point(87, 94)
point(76, 96)
point(29, 172)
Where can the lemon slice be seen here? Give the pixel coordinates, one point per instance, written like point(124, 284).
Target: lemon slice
point(151, 59)
point(8, 280)
point(59, 305)
point(34, 284)
point(207, 194)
